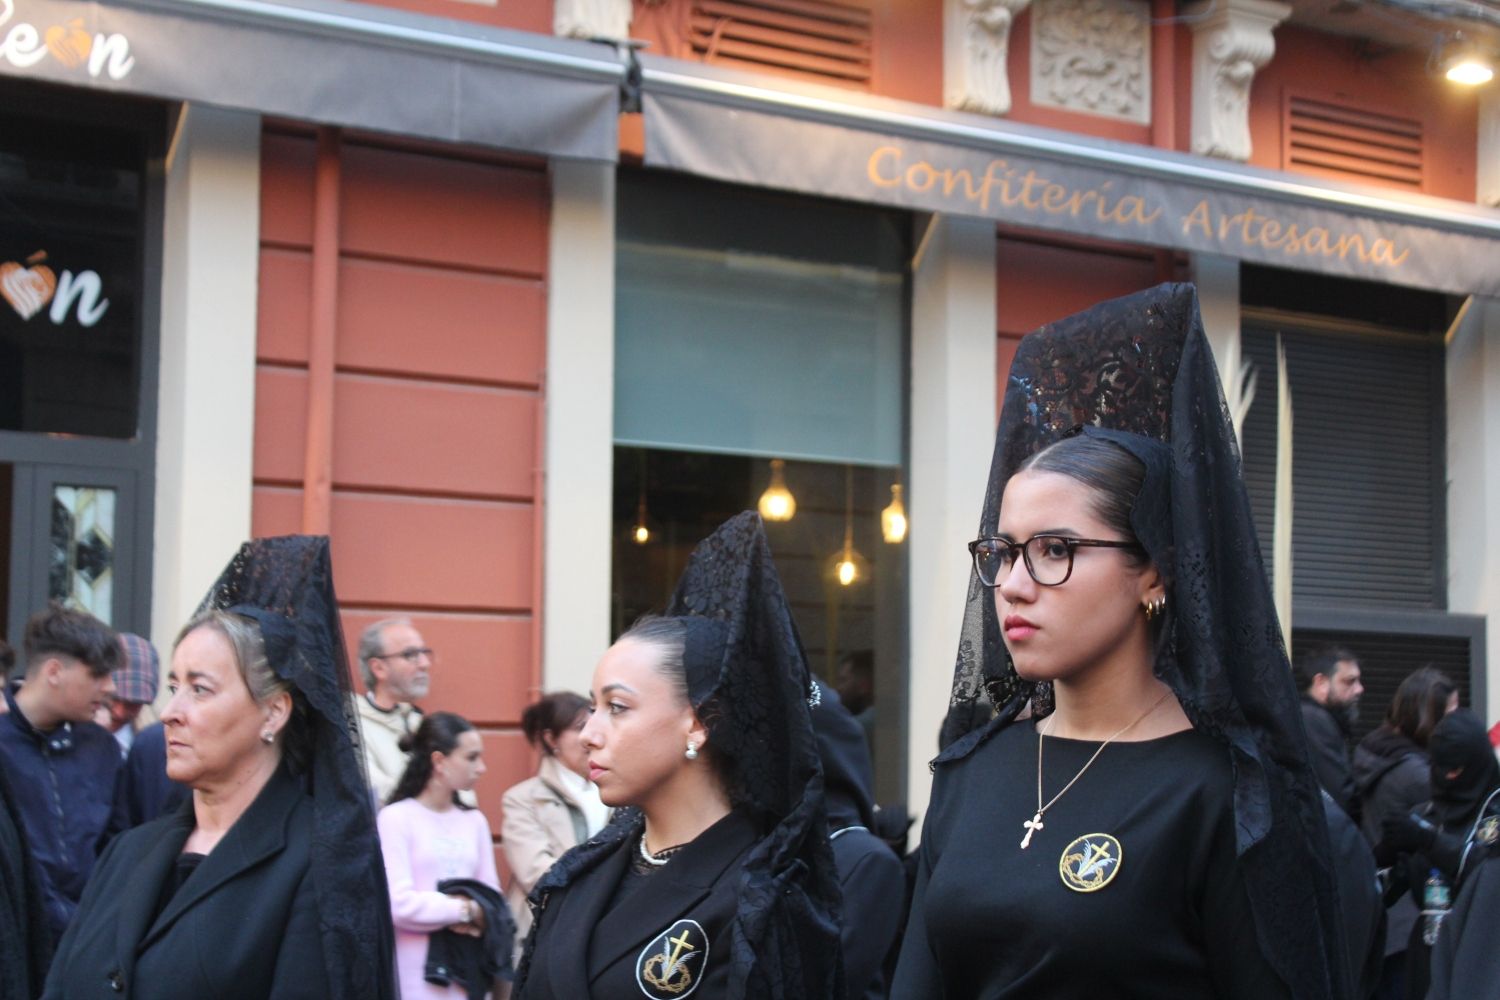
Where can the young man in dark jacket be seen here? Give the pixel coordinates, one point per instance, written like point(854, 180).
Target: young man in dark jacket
point(62, 767)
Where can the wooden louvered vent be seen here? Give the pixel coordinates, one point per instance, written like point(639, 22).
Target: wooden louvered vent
point(1337, 141)
point(819, 38)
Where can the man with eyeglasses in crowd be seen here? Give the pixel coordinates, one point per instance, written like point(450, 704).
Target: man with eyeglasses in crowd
point(397, 667)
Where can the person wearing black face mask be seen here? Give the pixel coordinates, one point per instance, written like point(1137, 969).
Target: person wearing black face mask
point(1449, 836)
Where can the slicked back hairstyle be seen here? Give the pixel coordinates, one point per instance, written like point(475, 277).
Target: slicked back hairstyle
point(438, 733)
point(669, 637)
point(1112, 475)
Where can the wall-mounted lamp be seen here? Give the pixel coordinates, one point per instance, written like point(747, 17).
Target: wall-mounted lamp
point(1471, 70)
point(777, 502)
point(1465, 61)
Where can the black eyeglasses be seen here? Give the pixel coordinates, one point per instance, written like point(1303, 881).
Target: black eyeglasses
point(1049, 558)
point(411, 655)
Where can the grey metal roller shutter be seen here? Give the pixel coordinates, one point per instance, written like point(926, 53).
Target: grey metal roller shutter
point(1367, 463)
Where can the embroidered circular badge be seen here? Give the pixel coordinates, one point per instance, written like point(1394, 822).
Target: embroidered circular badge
point(1489, 830)
point(1089, 863)
point(672, 964)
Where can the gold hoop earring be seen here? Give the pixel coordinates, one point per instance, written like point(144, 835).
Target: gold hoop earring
point(1155, 608)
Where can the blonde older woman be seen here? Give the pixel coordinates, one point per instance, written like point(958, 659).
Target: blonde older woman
point(559, 808)
point(268, 881)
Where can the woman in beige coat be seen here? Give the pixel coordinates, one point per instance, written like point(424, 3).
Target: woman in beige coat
point(554, 811)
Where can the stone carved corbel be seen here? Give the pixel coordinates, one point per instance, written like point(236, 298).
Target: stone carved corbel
point(976, 37)
point(591, 19)
point(1231, 41)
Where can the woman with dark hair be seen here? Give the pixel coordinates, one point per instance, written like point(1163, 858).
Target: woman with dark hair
point(719, 879)
point(1124, 805)
point(267, 882)
point(428, 836)
point(554, 811)
point(1391, 772)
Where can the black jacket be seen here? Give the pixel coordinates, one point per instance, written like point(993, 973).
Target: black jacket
point(471, 963)
point(586, 950)
point(244, 926)
point(1359, 899)
point(64, 786)
point(1391, 776)
point(1391, 773)
point(24, 944)
point(1328, 749)
point(873, 881)
point(1465, 961)
point(872, 878)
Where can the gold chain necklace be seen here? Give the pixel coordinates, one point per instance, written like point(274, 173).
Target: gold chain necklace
point(1034, 824)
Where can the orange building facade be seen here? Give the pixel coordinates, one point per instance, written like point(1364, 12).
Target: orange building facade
point(412, 307)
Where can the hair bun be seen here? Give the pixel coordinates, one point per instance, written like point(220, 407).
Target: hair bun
point(406, 742)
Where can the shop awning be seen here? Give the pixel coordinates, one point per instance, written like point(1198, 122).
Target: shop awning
point(334, 63)
point(823, 141)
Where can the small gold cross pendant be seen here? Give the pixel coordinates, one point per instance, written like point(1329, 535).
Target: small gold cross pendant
point(1032, 825)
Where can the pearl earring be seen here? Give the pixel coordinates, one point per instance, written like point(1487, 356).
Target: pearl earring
point(268, 737)
point(692, 751)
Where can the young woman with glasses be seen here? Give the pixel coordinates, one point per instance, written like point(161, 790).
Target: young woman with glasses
point(1106, 801)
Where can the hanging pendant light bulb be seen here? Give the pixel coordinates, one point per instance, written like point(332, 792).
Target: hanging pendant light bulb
point(893, 518)
point(777, 502)
point(849, 567)
point(846, 571)
point(640, 532)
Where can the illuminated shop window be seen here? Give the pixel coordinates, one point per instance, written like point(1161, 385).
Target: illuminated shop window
point(71, 224)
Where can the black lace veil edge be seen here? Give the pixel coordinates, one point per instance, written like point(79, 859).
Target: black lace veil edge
point(1142, 364)
point(290, 580)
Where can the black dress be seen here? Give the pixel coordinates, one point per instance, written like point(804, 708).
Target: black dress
point(1156, 909)
point(621, 931)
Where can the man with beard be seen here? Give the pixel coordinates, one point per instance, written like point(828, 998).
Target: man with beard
point(397, 669)
point(1329, 679)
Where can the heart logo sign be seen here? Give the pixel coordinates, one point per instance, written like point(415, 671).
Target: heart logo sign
point(27, 289)
point(69, 44)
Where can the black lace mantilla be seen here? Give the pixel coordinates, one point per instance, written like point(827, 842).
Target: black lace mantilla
point(785, 938)
point(286, 585)
point(1142, 365)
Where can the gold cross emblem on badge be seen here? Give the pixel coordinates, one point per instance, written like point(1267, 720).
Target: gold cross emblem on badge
point(1090, 863)
point(667, 970)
